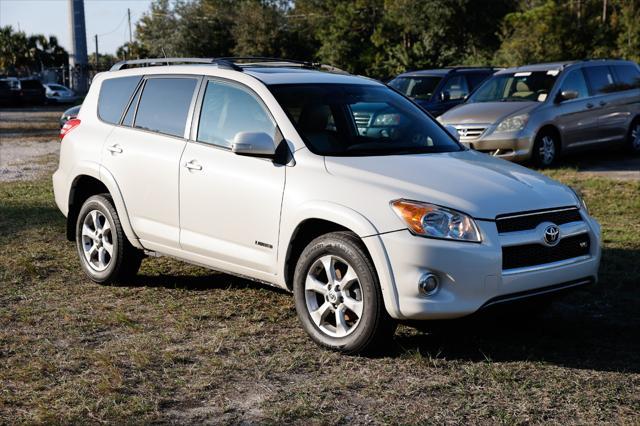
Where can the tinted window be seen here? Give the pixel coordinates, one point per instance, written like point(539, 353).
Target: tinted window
point(456, 87)
point(114, 95)
point(228, 110)
point(628, 76)
point(600, 79)
point(164, 105)
point(474, 79)
point(416, 87)
point(574, 81)
point(360, 120)
point(31, 84)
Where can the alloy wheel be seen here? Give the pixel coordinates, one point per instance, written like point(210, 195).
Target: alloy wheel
point(334, 296)
point(547, 150)
point(97, 240)
point(635, 137)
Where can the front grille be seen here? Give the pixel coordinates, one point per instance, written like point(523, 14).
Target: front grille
point(470, 133)
point(538, 254)
point(526, 221)
point(362, 118)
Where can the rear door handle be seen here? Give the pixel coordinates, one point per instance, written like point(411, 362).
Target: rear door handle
point(114, 149)
point(589, 105)
point(602, 103)
point(193, 165)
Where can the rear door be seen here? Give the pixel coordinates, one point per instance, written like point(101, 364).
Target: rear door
point(607, 101)
point(229, 203)
point(143, 155)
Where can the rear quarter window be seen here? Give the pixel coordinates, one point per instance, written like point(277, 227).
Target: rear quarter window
point(114, 96)
point(600, 79)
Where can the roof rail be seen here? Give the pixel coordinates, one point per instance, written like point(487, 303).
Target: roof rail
point(236, 63)
point(221, 62)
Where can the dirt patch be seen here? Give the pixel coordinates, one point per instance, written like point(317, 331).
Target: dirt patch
point(27, 160)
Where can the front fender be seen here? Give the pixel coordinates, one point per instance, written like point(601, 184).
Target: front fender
point(355, 222)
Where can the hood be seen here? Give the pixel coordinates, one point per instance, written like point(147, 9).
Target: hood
point(485, 112)
point(471, 182)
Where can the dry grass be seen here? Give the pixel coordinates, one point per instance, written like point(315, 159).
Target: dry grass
point(183, 344)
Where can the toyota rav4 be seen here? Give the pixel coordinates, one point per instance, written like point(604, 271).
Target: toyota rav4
point(258, 168)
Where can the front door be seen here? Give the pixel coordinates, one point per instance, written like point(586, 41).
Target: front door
point(230, 204)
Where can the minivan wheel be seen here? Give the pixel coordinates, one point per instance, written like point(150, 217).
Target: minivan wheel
point(545, 149)
point(338, 297)
point(105, 253)
point(634, 137)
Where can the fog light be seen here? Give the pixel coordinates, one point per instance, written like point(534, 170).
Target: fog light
point(428, 284)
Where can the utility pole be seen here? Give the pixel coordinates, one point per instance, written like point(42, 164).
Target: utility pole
point(78, 57)
point(97, 56)
point(129, 16)
point(604, 11)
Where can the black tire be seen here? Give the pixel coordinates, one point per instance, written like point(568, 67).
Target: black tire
point(545, 155)
point(633, 138)
point(374, 327)
point(124, 261)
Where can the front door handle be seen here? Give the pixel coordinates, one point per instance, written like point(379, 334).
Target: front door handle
point(589, 105)
point(114, 149)
point(602, 103)
point(193, 165)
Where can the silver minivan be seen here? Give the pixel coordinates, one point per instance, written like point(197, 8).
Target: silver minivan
point(537, 112)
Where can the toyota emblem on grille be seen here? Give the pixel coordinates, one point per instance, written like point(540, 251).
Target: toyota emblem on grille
point(551, 235)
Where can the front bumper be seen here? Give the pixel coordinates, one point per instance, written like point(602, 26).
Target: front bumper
point(471, 274)
point(513, 146)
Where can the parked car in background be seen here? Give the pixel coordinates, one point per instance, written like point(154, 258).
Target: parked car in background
point(258, 169)
point(33, 92)
point(537, 112)
point(57, 93)
point(10, 91)
point(439, 90)
point(69, 114)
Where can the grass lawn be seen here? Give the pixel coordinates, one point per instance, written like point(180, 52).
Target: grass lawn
point(184, 344)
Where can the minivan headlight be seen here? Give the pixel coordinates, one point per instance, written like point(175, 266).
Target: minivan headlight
point(513, 123)
point(433, 221)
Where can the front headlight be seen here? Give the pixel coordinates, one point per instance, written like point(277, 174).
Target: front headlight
point(433, 221)
point(384, 120)
point(580, 199)
point(513, 123)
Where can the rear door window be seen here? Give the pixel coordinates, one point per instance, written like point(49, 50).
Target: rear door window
point(628, 76)
point(457, 88)
point(114, 96)
point(164, 105)
point(600, 79)
point(574, 81)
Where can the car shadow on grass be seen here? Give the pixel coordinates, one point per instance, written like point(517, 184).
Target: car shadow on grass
point(597, 328)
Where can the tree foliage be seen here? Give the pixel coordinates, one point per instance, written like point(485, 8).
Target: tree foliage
point(22, 53)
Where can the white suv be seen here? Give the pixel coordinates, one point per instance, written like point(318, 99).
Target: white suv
point(332, 186)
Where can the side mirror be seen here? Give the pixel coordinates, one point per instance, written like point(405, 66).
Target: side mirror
point(566, 95)
point(453, 131)
point(445, 96)
point(258, 144)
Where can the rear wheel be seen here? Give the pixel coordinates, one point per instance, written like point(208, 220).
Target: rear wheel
point(105, 253)
point(338, 297)
point(546, 149)
point(634, 137)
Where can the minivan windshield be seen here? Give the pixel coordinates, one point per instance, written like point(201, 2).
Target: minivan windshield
point(360, 120)
point(516, 87)
point(416, 87)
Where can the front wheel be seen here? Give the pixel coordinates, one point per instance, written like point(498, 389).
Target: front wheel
point(105, 253)
point(545, 149)
point(338, 297)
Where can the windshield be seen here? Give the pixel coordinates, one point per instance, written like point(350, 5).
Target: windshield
point(358, 120)
point(416, 87)
point(520, 86)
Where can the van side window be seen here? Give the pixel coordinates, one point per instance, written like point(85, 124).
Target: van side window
point(227, 110)
point(600, 79)
point(114, 96)
point(474, 79)
point(164, 105)
point(574, 81)
point(628, 76)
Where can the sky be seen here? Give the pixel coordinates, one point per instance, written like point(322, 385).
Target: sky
point(107, 18)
